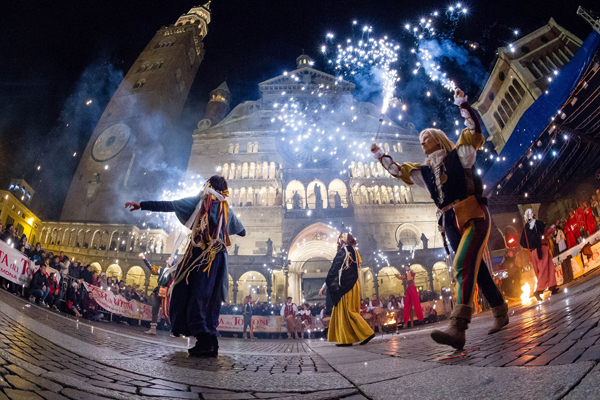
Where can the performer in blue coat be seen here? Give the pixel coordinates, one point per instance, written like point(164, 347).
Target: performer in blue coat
point(200, 277)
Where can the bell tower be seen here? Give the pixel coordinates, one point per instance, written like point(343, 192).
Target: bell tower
point(125, 156)
point(217, 107)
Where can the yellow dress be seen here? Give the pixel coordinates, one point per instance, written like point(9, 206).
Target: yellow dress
point(346, 324)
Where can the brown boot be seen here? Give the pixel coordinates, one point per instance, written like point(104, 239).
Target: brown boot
point(455, 334)
point(500, 318)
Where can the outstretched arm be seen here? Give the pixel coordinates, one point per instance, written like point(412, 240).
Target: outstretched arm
point(470, 139)
point(409, 173)
point(160, 206)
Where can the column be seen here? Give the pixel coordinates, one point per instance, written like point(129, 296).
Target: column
point(286, 281)
point(376, 283)
point(430, 276)
point(269, 285)
point(235, 290)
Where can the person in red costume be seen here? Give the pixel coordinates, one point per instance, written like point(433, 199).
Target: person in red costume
point(574, 226)
point(412, 296)
point(590, 221)
point(579, 214)
point(571, 241)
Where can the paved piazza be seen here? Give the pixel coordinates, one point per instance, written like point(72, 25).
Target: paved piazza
point(548, 352)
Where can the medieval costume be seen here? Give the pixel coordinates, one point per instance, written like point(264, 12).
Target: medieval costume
point(305, 321)
point(561, 240)
point(570, 236)
point(200, 277)
point(375, 307)
point(589, 220)
point(449, 176)
point(346, 325)
point(411, 299)
point(579, 214)
point(160, 293)
point(574, 227)
point(289, 312)
point(535, 239)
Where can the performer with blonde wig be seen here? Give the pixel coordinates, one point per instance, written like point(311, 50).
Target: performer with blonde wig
point(464, 219)
point(346, 326)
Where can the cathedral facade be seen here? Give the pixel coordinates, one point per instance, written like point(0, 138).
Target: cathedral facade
point(294, 201)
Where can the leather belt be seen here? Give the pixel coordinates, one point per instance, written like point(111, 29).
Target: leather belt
point(449, 206)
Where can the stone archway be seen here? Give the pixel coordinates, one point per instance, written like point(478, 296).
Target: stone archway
point(315, 243)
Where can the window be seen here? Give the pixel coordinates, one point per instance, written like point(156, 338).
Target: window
point(9, 221)
point(501, 76)
point(158, 64)
point(143, 67)
point(191, 55)
point(20, 229)
point(139, 84)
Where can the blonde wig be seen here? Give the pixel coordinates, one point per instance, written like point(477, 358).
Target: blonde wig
point(440, 138)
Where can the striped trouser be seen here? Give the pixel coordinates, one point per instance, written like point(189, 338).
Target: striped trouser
point(469, 245)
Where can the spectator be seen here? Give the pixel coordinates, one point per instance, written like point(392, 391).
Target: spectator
point(104, 281)
point(86, 275)
point(121, 287)
point(72, 306)
point(23, 246)
point(54, 263)
point(36, 253)
point(74, 270)
point(95, 279)
point(63, 265)
point(53, 298)
point(38, 289)
point(91, 309)
point(9, 234)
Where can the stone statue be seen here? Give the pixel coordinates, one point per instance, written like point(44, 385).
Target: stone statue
point(318, 198)
point(296, 201)
point(424, 240)
point(337, 200)
point(400, 245)
point(269, 247)
point(371, 245)
point(236, 249)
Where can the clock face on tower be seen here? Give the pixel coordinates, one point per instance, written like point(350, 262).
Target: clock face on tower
point(111, 142)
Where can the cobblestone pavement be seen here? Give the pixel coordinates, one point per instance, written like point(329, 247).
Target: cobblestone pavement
point(550, 350)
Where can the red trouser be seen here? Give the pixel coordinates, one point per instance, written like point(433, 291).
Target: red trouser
point(412, 300)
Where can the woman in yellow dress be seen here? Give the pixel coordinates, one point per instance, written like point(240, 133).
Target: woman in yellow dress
point(346, 326)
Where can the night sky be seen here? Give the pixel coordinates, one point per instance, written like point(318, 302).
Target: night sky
point(56, 54)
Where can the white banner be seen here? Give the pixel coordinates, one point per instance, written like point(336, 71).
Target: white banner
point(271, 323)
point(117, 304)
point(17, 268)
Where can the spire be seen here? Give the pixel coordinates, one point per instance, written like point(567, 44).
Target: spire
point(223, 86)
point(199, 15)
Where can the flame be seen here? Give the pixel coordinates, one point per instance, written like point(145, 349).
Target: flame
point(525, 297)
point(391, 318)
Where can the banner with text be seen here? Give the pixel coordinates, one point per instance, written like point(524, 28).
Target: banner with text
point(16, 267)
point(117, 304)
point(272, 323)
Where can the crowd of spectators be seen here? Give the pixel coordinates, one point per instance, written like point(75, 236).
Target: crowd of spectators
point(58, 283)
point(581, 222)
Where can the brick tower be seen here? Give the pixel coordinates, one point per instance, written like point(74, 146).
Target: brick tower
point(125, 158)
